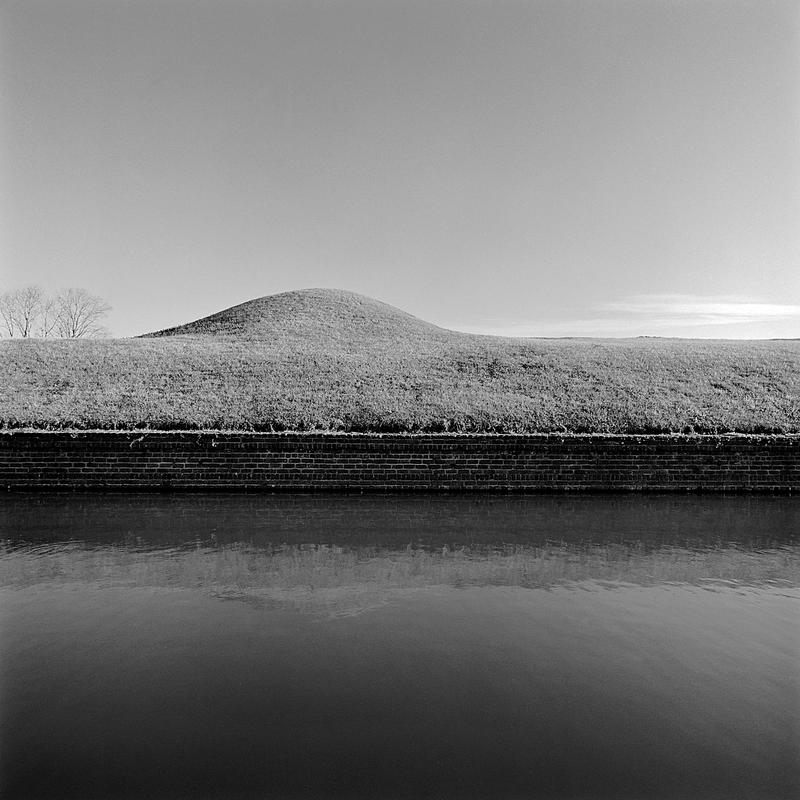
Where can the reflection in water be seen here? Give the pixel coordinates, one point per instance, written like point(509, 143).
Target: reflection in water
point(547, 646)
point(324, 574)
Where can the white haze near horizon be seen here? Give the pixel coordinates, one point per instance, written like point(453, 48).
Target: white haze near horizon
point(519, 167)
point(679, 316)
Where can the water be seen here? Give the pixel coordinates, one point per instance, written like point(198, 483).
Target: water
point(170, 646)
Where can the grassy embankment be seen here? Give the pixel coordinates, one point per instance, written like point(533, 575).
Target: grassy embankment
point(327, 360)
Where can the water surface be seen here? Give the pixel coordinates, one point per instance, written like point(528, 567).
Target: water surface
point(399, 646)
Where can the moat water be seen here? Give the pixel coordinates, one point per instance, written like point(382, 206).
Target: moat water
point(250, 646)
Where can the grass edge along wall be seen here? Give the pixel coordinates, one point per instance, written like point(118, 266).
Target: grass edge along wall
point(395, 462)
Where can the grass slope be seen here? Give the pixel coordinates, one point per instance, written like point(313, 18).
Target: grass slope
point(318, 317)
point(329, 360)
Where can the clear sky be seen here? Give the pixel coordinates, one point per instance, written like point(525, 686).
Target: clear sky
point(547, 167)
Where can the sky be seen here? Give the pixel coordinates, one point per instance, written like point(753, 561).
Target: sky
point(537, 168)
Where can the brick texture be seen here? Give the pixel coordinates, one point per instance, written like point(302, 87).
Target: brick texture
point(303, 462)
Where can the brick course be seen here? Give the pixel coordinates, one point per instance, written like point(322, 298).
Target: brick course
point(371, 462)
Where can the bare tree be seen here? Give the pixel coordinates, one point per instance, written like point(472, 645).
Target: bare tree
point(79, 314)
point(21, 310)
point(72, 313)
point(29, 302)
point(5, 314)
point(48, 320)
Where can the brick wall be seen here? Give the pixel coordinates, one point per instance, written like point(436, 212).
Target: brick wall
point(164, 460)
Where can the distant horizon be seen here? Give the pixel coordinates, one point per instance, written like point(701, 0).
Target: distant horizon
point(713, 313)
point(477, 330)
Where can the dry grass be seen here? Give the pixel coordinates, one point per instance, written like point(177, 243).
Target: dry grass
point(333, 361)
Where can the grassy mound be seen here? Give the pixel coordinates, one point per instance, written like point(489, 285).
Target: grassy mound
point(315, 316)
point(328, 360)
